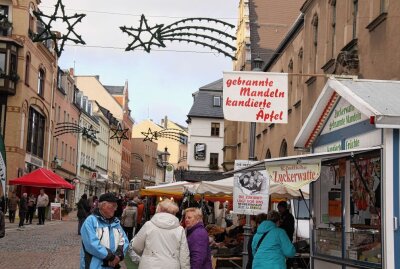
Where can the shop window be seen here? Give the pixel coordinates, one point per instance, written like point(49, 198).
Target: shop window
point(347, 206)
point(35, 137)
point(215, 129)
point(41, 80)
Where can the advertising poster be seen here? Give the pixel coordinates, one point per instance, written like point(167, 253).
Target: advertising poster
point(251, 190)
point(55, 211)
point(255, 96)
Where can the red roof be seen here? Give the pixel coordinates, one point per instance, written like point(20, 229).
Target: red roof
point(42, 178)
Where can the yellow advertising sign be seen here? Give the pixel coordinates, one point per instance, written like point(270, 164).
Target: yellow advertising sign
point(294, 176)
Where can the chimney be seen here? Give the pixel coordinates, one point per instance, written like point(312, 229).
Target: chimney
point(165, 122)
point(72, 72)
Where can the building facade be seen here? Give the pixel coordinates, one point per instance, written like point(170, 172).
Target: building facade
point(64, 142)
point(261, 27)
point(87, 149)
point(144, 163)
point(121, 94)
point(206, 129)
point(27, 83)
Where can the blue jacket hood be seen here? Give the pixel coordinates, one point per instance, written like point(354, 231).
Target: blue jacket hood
point(266, 226)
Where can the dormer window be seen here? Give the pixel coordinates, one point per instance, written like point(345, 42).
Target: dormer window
point(217, 101)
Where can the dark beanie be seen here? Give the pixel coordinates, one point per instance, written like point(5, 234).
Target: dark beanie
point(108, 197)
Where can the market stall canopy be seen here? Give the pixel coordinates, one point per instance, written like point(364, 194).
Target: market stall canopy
point(170, 189)
point(42, 178)
point(225, 187)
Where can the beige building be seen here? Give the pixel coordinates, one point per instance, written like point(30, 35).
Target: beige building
point(121, 95)
point(174, 146)
point(262, 25)
point(29, 72)
point(144, 163)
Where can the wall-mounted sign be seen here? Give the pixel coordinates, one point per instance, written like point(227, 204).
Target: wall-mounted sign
point(343, 115)
point(199, 151)
point(255, 97)
point(294, 176)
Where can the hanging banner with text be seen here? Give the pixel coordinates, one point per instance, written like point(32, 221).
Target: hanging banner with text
point(294, 176)
point(250, 190)
point(255, 97)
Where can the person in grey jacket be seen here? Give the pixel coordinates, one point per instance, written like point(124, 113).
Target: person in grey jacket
point(42, 203)
point(128, 219)
point(161, 242)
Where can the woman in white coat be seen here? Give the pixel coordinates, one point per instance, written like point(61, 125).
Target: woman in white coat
point(161, 242)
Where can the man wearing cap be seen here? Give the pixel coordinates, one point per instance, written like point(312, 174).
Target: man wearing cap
point(104, 242)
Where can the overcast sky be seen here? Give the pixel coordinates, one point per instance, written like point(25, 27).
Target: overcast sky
point(160, 82)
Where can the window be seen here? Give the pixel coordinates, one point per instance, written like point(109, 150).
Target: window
point(355, 14)
point(283, 150)
point(35, 138)
point(27, 68)
point(31, 18)
point(62, 150)
point(59, 114)
point(333, 28)
point(214, 129)
point(268, 154)
point(213, 160)
point(4, 12)
point(56, 147)
point(59, 78)
point(41, 77)
point(314, 24)
point(2, 62)
point(217, 101)
point(301, 208)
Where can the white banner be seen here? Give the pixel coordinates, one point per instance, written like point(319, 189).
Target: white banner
point(255, 97)
point(169, 173)
point(250, 190)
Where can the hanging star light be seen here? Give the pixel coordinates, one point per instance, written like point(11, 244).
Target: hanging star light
point(180, 31)
point(119, 133)
point(174, 134)
point(48, 34)
point(71, 128)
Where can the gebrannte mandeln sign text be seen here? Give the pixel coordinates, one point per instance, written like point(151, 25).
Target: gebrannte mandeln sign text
point(255, 96)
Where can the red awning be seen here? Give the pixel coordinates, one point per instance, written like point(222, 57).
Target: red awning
point(42, 178)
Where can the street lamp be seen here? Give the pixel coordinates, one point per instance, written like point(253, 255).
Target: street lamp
point(164, 158)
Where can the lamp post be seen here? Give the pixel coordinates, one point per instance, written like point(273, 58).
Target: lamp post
point(164, 158)
point(112, 179)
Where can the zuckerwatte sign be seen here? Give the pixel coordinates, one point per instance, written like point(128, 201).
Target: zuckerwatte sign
point(255, 97)
point(294, 176)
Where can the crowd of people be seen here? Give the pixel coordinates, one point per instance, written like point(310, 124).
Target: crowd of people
point(110, 225)
point(26, 207)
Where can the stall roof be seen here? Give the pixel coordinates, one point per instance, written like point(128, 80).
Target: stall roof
point(374, 98)
point(42, 178)
point(306, 158)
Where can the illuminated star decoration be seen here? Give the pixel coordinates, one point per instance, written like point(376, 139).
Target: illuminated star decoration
point(71, 128)
point(182, 31)
point(119, 133)
point(174, 134)
point(48, 34)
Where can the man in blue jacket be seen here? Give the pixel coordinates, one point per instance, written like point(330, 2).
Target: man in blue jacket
point(104, 242)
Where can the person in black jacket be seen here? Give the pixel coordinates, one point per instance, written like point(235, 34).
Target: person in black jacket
point(83, 211)
point(23, 209)
point(259, 218)
point(2, 224)
point(287, 219)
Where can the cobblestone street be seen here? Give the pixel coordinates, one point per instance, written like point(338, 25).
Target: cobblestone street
point(50, 246)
